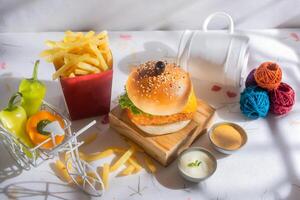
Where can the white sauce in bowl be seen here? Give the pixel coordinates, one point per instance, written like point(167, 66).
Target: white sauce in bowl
point(196, 164)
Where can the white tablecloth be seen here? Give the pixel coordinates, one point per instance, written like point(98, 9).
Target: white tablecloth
point(266, 168)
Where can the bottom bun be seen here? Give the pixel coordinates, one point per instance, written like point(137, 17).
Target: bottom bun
point(163, 129)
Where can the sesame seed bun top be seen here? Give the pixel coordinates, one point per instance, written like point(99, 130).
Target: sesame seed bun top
point(159, 89)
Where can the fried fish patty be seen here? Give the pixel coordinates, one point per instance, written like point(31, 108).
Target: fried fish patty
point(146, 119)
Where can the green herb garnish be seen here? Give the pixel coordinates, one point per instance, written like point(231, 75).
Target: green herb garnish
point(196, 163)
point(125, 102)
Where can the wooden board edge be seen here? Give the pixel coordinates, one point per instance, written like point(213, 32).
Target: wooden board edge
point(171, 155)
point(198, 132)
point(157, 155)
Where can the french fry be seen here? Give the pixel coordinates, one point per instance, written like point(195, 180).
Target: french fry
point(118, 149)
point(103, 64)
point(150, 165)
point(133, 161)
point(79, 180)
point(81, 72)
point(69, 71)
point(91, 176)
point(72, 75)
point(72, 36)
point(122, 159)
point(91, 60)
point(87, 67)
point(108, 152)
point(79, 54)
point(61, 70)
point(97, 156)
point(109, 59)
point(105, 175)
point(50, 43)
point(49, 52)
point(127, 171)
point(89, 34)
point(89, 139)
point(83, 156)
point(127, 158)
point(102, 35)
point(58, 60)
point(70, 45)
point(62, 171)
point(103, 46)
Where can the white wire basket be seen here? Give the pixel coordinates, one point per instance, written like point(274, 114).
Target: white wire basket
point(28, 157)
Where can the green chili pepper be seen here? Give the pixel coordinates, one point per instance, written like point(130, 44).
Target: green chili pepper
point(33, 92)
point(14, 118)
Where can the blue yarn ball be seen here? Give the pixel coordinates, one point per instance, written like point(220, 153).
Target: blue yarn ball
point(254, 102)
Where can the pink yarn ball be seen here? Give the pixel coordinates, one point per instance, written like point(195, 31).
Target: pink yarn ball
point(282, 99)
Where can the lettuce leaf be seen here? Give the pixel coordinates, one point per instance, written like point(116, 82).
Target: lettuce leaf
point(125, 102)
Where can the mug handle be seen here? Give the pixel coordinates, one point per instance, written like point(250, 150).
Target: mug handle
point(213, 15)
point(184, 49)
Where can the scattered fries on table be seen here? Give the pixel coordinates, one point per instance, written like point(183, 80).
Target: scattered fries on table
point(79, 54)
point(150, 165)
point(127, 158)
point(90, 138)
point(61, 171)
point(105, 175)
point(122, 160)
point(128, 170)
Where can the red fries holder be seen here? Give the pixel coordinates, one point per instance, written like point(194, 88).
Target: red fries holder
point(88, 95)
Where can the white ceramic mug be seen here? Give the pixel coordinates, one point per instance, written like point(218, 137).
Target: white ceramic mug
point(220, 57)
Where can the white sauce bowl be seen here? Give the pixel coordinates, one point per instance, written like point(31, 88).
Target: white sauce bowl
point(207, 166)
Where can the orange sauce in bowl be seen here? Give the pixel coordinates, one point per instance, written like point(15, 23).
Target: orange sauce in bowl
point(227, 137)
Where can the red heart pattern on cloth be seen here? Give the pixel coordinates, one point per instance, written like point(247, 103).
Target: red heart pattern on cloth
point(295, 36)
point(231, 94)
point(2, 65)
point(216, 88)
point(125, 36)
point(105, 120)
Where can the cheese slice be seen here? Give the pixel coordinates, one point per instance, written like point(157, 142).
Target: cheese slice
point(191, 105)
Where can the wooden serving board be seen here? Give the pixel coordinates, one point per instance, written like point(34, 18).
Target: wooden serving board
point(163, 148)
